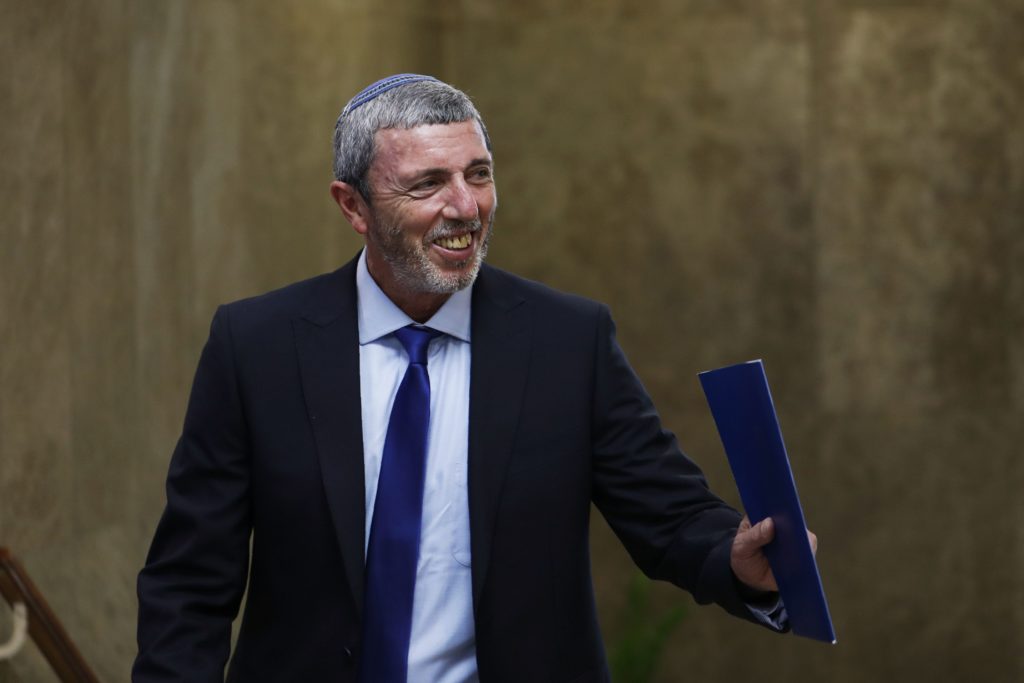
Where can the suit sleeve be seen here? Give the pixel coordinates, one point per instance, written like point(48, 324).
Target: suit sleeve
point(195, 574)
point(655, 499)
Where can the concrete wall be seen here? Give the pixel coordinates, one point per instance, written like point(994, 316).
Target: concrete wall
point(835, 187)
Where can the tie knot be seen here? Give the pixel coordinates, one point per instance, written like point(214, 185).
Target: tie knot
point(416, 340)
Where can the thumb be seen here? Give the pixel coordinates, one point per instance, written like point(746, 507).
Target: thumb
point(762, 533)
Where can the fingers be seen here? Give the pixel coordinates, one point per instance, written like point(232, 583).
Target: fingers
point(747, 558)
point(764, 532)
point(752, 538)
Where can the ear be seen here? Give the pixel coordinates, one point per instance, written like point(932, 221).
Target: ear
point(352, 204)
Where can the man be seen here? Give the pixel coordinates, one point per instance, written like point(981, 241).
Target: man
point(413, 443)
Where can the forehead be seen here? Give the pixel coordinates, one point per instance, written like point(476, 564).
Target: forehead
point(448, 145)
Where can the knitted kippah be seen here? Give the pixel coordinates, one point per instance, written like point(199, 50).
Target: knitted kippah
point(375, 90)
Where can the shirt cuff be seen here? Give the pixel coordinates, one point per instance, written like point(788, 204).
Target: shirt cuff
point(766, 607)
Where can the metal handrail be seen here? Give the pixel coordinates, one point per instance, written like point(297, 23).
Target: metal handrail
point(44, 628)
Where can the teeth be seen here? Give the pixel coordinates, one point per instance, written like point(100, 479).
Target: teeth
point(460, 242)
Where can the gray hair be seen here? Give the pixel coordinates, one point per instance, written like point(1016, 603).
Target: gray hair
point(406, 106)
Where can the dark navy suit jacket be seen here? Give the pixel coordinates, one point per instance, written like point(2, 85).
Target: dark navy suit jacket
point(271, 454)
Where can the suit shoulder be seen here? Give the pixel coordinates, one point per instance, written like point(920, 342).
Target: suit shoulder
point(304, 296)
point(544, 298)
point(288, 297)
point(319, 299)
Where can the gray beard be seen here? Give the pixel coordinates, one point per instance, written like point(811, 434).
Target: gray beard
point(412, 268)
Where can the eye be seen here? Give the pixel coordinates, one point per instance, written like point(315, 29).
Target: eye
point(425, 186)
point(480, 173)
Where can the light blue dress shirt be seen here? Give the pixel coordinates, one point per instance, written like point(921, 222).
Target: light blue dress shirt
point(442, 647)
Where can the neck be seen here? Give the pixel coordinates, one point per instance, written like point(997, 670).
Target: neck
point(420, 306)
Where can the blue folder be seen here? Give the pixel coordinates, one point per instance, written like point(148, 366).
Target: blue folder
point(745, 415)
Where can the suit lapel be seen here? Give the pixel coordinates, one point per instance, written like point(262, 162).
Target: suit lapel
point(327, 342)
point(501, 345)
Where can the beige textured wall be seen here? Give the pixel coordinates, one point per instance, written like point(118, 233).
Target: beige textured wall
point(835, 187)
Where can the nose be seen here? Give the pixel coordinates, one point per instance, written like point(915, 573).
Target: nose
point(460, 204)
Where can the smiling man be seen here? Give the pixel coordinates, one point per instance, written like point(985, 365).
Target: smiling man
point(427, 221)
point(400, 457)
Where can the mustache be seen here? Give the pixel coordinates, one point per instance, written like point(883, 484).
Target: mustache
point(452, 228)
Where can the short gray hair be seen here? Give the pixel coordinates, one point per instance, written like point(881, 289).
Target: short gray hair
point(414, 104)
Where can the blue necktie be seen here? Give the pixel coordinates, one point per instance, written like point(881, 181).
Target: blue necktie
point(395, 533)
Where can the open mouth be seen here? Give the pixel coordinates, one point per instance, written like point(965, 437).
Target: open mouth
point(455, 243)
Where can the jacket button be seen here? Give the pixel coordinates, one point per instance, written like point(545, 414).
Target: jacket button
point(348, 656)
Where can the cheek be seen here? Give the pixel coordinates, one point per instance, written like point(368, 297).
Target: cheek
point(419, 230)
point(414, 226)
point(487, 202)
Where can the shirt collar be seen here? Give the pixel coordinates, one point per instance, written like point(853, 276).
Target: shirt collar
point(379, 316)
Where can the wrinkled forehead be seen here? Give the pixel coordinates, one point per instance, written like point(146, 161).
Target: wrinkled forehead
point(427, 135)
point(446, 146)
